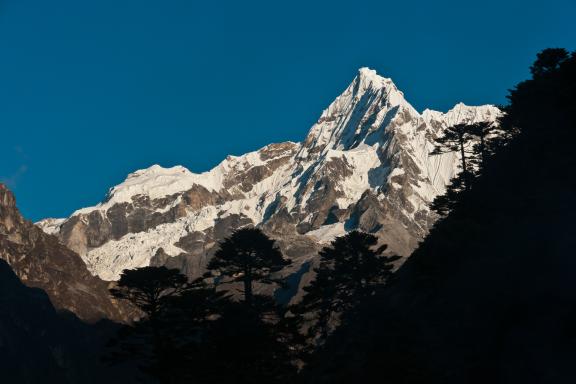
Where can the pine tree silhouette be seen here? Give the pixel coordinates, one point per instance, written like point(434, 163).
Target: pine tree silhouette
point(244, 348)
point(349, 271)
point(456, 138)
point(476, 142)
point(548, 62)
point(168, 342)
point(248, 256)
point(149, 288)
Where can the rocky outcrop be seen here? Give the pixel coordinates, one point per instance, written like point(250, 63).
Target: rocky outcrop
point(40, 260)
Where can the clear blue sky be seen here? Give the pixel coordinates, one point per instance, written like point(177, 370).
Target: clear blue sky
point(93, 90)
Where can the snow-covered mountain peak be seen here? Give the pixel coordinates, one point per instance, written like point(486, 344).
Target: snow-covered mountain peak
point(461, 113)
point(429, 114)
point(368, 103)
point(369, 80)
point(157, 169)
point(155, 182)
point(365, 164)
point(50, 225)
point(369, 77)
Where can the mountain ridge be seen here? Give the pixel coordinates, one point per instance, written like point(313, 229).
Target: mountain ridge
point(364, 164)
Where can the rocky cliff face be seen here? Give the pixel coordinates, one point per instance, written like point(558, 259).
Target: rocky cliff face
point(41, 261)
point(364, 165)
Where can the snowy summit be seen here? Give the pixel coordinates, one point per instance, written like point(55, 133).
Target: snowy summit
point(365, 164)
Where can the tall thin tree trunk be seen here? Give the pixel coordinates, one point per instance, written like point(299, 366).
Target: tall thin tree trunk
point(248, 287)
point(324, 322)
point(463, 155)
point(162, 375)
point(482, 150)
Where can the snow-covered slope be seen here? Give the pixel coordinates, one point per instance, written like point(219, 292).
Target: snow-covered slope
point(364, 165)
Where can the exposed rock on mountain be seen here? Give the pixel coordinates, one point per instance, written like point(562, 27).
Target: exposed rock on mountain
point(41, 261)
point(364, 165)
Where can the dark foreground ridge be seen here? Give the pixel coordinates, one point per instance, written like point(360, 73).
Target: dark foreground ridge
point(38, 344)
point(490, 295)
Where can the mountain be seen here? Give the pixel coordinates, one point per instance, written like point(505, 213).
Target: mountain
point(364, 165)
point(39, 344)
point(489, 296)
point(41, 261)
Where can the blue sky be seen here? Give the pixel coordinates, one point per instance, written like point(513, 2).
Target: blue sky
point(93, 90)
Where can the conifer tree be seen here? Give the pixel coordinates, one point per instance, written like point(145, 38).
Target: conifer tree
point(548, 62)
point(248, 256)
point(349, 271)
point(481, 149)
point(149, 288)
point(476, 142)
point(246, 349)
point(456, 138)
point(147, 340)
point(169, 340)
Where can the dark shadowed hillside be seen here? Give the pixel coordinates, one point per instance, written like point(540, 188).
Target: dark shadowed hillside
point(490, 295)
point(40, 345)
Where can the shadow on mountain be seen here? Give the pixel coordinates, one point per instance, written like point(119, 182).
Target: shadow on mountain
point(40, 345)
point(490, 295)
